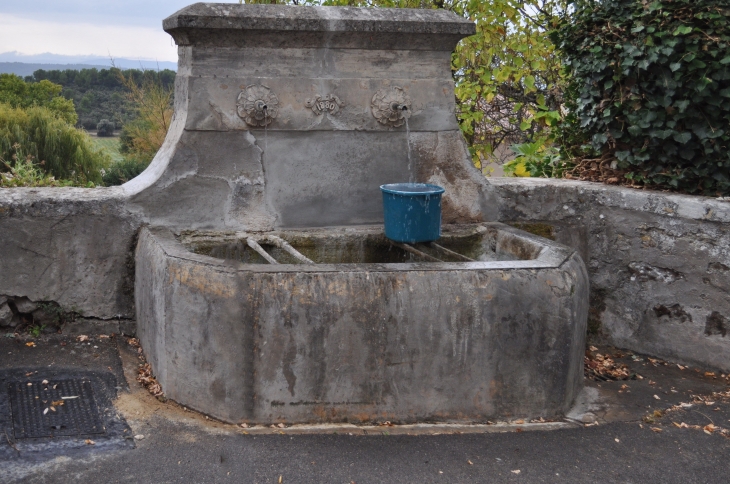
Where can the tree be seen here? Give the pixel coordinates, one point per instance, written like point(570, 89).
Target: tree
point(17, 93)
point(152, 101)
point(105, 128)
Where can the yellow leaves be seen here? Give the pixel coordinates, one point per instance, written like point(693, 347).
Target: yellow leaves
point(521, 170)
point(30, 344)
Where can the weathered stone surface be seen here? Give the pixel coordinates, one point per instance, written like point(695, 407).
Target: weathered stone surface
point(349, 342)
point(282, 26)
point(6, 315)
point(658, 263)
point(213, 103)
point(71, 246)
point(306, 168)
point(25, 305)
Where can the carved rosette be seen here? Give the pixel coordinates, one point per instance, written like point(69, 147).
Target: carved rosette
point(321, 104)
point(257, 105)
point(391, 106)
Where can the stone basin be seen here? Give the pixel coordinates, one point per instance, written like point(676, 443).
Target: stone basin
point(368, 332)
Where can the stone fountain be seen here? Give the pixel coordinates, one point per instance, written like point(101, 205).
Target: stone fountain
point(265, 289)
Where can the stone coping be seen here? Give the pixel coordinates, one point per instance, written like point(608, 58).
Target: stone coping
point(318, 19)
point(706, 209)
point(662, 203)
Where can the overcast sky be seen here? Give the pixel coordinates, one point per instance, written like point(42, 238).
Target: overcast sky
point(128, 28)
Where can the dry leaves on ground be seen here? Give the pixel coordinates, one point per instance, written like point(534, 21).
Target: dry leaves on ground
point(144, 376)
point(602, 367)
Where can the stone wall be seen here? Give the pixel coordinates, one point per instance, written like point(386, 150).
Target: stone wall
point(659, 264)
point(66, 254)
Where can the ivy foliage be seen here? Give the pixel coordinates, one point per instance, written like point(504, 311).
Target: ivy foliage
point(650, 90)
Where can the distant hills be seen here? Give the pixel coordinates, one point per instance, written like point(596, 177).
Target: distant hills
point(25, 65)
point(21, 69)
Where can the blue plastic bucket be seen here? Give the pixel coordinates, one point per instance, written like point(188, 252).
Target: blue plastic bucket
point(412, 212)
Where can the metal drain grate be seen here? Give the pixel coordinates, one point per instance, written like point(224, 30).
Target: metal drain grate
point(34, 416)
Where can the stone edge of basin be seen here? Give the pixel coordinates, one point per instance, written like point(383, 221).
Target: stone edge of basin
point(230, 22)
point(550, 255)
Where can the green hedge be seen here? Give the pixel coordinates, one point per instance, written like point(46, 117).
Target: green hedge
point(650, 86)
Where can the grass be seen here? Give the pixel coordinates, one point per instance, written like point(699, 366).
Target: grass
point(110, 146)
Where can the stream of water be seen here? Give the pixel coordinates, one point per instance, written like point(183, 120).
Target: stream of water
point(408, 143)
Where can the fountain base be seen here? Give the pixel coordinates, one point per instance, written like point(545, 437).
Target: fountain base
point(361, 339)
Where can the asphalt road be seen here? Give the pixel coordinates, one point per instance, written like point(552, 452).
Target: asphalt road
point(183, 446)
point(614, 453)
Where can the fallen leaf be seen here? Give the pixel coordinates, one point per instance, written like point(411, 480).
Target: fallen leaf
point(516, 471)
point(470, 463)
point(281, 425)
point(710, 374)
point(519, 422)
point(244, 425)
point(81, 338)
point(656, 429)
point(681, 367)
point(30, 344)
point(676, 425)
point(45, 382)
point(57, 402)
point(657, 397)
point(53, 409)
point(616, 439)
point(280, 479)
point(45, 411)
point(89, 442)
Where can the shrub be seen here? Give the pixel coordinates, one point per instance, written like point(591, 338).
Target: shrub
point(60, 149)
point(105, 128)
point(123, 171)
point(650, 92)
point(23, 171)
point(536, 159)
